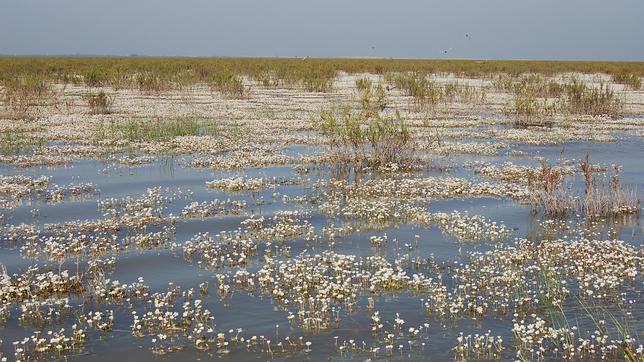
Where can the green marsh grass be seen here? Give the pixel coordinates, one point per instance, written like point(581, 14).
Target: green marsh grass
point(96, 76)
point(17, 141)
point(536, 98)
point(227, 83)
point(156, 74)
point(631, 80)
point(427, 94)
point(317, 78)
point(144, 130)
point(152, 83)
point(599, 315)
point(363, 84)
point(578, 98)
point(291, 70)
point(532, 111)
point(530, 84)
point(367, 137)
point(372, 142)
point(373, 100)
point(268, 79)
point(463, 93)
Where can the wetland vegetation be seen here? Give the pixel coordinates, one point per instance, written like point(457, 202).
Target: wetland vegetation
point(345, 209)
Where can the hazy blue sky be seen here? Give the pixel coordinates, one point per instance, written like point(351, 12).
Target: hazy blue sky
point(543, 29)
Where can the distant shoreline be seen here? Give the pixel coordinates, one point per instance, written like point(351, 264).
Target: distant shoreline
point(348, 57)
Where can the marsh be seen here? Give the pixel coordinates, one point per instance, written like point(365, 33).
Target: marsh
point(317, 209)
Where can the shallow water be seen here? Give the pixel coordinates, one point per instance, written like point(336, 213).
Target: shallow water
point(257, 314)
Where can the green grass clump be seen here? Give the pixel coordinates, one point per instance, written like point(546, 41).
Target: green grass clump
point(16, 141)
point(152, 83)
point(428, 93)
point(268, 78)
point(526, 106)
point(530, 110)
point(96, 76)
point(363, 84)
point(367, 142)
point(32, 85)
point(373, 100)
point(606, 200)
point(534, 85)
point(227, 83)
point(367, 137)
point(162, 130)
point(632, 81)
point(140, 130)
point(317, 79)
point(578, 98)
point(536, 98)
point(414, 84)
point(456, 92)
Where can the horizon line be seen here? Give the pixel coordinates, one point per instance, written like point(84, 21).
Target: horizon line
point(349, 57)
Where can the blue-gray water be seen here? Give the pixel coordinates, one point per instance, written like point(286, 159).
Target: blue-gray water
point(257, 314)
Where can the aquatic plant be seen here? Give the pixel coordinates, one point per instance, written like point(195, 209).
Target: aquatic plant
point(151, 83)
point(22, 92)
point(417, 85)
point(342, 255)
point(601, 199)
point(212, 208)
point(531, 111)
point(528, 85)
point(363, 84)
point(99, 103)
point(547, 191)
point(227, 83)
point(631, 80)
point(366, 139)
point(484, 346)
point(578, 98)
point(235, 184)
point(96, 76)
point(141, 130)
point(19, 141)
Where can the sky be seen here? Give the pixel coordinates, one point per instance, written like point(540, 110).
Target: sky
point(479, 29)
